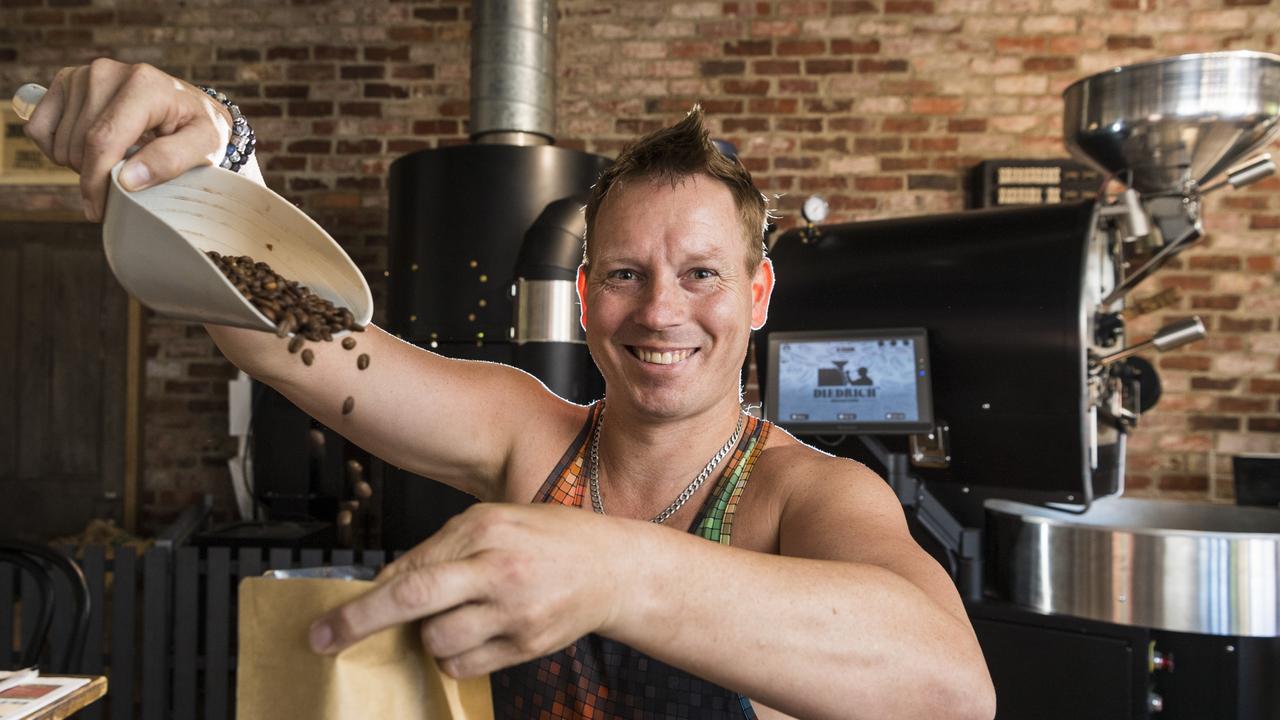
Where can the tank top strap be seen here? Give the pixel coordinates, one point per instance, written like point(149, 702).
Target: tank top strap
point(715, 519)
point(565, 484)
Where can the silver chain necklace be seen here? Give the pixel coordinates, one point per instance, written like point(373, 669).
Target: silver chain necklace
point(593, 473)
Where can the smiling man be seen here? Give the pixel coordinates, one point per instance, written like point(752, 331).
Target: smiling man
point(586, 585)
point(604, 598)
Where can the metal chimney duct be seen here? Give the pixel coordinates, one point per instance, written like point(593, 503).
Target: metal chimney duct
point(513, 72)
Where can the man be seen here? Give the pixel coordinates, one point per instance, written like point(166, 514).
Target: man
point(602, 597)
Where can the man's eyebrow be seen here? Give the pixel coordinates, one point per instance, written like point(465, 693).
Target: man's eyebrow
point(616, 260)
point(693, 256)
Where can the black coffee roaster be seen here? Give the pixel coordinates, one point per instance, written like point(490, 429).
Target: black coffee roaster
point(474, 229)
point(486, 238)
point(1003, 297)
point(1087, 604)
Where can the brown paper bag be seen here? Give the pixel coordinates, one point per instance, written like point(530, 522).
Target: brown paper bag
point(386, 675)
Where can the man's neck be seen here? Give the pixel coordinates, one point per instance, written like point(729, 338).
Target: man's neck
point(645, 462)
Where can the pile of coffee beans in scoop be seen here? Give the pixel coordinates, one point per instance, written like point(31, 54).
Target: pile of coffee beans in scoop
point(293, 307)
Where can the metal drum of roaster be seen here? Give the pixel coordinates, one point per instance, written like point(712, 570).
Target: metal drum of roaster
point(458, 216)
point(549, 341)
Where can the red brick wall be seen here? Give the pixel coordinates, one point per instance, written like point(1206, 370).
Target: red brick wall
point(881, 105)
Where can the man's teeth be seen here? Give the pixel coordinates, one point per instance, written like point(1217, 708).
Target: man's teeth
point(661, 358)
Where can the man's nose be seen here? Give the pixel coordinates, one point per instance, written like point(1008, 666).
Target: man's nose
point(662, 305)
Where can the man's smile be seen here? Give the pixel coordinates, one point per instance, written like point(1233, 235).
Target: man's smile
point(660, 356)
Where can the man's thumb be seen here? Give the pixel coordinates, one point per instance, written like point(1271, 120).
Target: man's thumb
point(165, 158)
point(135, 175)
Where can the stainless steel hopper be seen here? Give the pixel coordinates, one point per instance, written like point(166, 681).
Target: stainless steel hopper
point(1170, 125)
point(1187, 567)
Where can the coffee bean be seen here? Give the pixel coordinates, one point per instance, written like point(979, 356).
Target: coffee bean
point(348, 405)
point(296, 344)
point(363, 490)
point(308, 357)
point(362, 362)
point(348, 343)
point(291, 306)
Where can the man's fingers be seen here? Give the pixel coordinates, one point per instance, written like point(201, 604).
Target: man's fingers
point(73, 97)
point(495, 654)
point(97, 96)
point(461, 629)
point(408, 596)
point(126, 119)
point(159, 160)
point(44, 119)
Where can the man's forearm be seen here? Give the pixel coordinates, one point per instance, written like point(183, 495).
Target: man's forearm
point(810, 638)
point(256, 352)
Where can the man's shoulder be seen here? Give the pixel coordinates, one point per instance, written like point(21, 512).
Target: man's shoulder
point(787, 458)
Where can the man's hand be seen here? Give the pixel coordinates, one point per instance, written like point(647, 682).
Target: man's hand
point(498, 585)
point(93, 113)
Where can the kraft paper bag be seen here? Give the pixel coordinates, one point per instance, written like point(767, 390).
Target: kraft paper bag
point(386, 675)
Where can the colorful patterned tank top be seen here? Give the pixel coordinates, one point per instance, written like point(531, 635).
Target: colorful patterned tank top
point(596, 677)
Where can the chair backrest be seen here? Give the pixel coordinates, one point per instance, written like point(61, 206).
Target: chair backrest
point(43, 566)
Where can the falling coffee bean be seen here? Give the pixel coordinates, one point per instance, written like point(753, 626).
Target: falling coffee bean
point(363, 490)
point(362, 362)
point(296, 344)
point(348, 405)
point(348, 343)
point(308, 357)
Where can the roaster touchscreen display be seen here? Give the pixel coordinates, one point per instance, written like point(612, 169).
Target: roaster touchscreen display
point(850, 382)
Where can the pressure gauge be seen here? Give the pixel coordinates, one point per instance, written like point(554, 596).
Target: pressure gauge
point(815, 209)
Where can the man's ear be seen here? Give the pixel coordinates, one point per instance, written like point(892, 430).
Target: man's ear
point(761, 290)
point(582, 296)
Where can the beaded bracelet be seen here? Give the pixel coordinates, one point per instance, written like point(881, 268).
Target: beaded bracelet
point(243, 140)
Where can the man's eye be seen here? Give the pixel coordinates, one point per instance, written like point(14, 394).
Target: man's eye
point(623, 275)
point(703, 274)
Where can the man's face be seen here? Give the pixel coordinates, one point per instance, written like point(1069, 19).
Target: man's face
point(668, 303)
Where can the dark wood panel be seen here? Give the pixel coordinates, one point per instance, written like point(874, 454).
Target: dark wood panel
point(35, 433)
point(8, 593)
point(8, 363)
point(114, 341)
point(217, 627)
point(123, 617)
point(155, 634)
point(64, 327)
point(73, 322)
point(186, 621)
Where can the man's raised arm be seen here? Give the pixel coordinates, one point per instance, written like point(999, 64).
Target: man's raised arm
point(456, 421)
point(459, 422)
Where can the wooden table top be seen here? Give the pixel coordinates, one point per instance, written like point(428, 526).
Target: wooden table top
point(82, 698)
